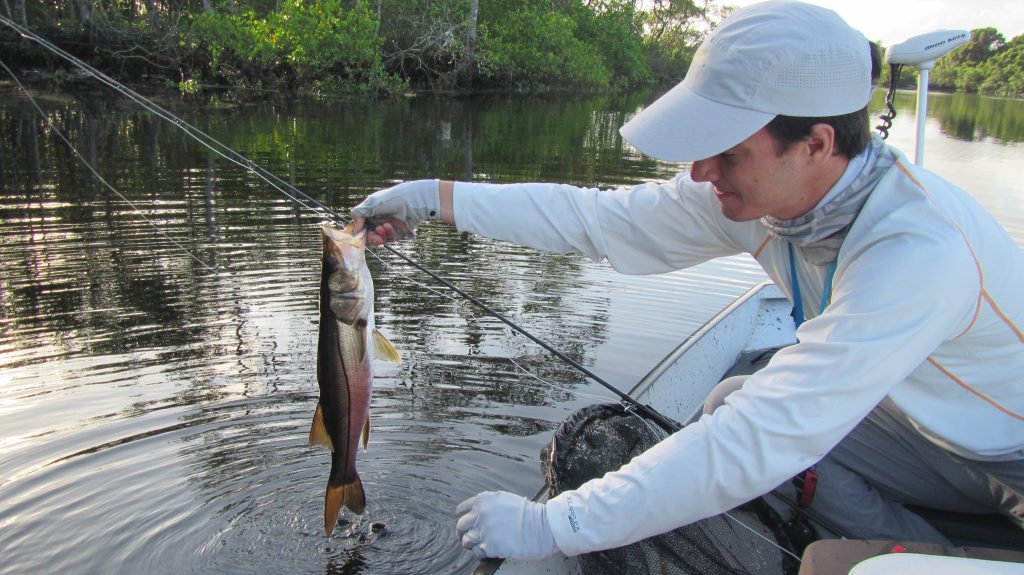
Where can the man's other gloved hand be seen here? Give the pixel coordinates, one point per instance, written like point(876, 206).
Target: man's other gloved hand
point(395, 213)
point(502, 524)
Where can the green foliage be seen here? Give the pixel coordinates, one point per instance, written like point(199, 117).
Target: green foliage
point(987, 64)
point(1004, 73)
point(528, 49)
point(588, 44)
point(302, 43)
point(675, 28)
point(616, 32)
point(385, 46)
point(189, 86)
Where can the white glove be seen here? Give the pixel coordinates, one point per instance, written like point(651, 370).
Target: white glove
point(405, 206)
point(502, 524)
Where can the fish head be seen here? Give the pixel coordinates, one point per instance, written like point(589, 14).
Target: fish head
point(346, 274)
point(344, 257)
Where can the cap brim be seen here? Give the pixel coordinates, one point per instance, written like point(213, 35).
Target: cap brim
point(683, 126)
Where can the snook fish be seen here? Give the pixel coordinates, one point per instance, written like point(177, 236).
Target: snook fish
point(344, 367)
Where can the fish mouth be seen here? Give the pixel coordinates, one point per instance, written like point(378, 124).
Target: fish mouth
point(342, 247)
point(344, 235)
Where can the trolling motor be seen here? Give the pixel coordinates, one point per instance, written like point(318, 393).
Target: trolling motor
point(920, 52)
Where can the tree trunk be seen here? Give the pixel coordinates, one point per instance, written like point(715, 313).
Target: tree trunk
point(19, 12)
point(469, 67)
point(84, 11)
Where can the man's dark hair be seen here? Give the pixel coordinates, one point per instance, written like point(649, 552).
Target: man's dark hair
point(853, 131)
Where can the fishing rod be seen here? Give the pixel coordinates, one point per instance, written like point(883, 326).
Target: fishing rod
point(662, 421)
point(308, 202)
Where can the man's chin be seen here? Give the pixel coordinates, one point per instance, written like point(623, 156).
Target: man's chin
point(737, 215)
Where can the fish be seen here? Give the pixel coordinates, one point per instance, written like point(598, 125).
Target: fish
point(344, 367)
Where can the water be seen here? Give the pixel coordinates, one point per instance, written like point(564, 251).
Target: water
point(154, 412)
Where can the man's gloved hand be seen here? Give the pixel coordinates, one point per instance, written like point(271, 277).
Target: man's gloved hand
point(395, 212)
point(502, 524)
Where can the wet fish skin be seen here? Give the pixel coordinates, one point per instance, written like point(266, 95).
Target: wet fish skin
point(344, 366)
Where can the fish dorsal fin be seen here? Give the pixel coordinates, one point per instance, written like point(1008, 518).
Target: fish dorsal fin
point(317, 432)
point(366, 433)
point(384, 349)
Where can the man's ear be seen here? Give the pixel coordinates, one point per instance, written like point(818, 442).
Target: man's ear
point(821, 143)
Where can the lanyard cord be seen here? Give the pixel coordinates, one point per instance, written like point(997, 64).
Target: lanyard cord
point(798, 302)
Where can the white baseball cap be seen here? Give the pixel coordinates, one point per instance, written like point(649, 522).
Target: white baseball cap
point(772, 58)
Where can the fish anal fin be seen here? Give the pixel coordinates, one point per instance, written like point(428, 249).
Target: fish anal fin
point(317, 432)
point(384, 348)
point(333, 499)
point(355, 498)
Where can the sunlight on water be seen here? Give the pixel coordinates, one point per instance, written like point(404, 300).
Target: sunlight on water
point(154, 407)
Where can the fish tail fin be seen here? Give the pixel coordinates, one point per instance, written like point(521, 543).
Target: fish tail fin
point(384, 349)
point(332, 506)
point(317, 432)
point(355, 498)
point(350, 495)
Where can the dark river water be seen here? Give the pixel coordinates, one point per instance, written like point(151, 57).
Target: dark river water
point(157, 347)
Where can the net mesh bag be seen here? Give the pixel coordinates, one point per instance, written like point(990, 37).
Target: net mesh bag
point(601, 438)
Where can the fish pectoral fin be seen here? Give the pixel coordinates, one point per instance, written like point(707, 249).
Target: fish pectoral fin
point(384, 348)
point(318, 433)
point(363, 347)
point(366, 433)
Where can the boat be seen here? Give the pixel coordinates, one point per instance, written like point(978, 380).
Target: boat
point(740, 339)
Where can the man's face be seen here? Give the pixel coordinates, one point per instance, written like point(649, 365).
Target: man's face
point(753, 180)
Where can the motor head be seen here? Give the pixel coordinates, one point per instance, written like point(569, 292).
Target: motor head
point(923, 50)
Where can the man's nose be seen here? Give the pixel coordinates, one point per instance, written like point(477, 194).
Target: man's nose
point(705, 170)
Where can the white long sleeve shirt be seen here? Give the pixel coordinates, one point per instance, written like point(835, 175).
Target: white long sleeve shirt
point(927, 309)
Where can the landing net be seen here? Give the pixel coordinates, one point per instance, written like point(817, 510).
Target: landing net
point(601, 438)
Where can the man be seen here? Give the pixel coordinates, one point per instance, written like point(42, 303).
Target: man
point(907, 384)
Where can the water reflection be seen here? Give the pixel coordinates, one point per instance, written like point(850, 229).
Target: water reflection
point(969, 117)
point(157, 410)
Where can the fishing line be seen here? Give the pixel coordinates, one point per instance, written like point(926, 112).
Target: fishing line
point(476, 319)
point(200, 136)
point(662, 421)
point(81, 158)
point(762, 536)
point(307, 201)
